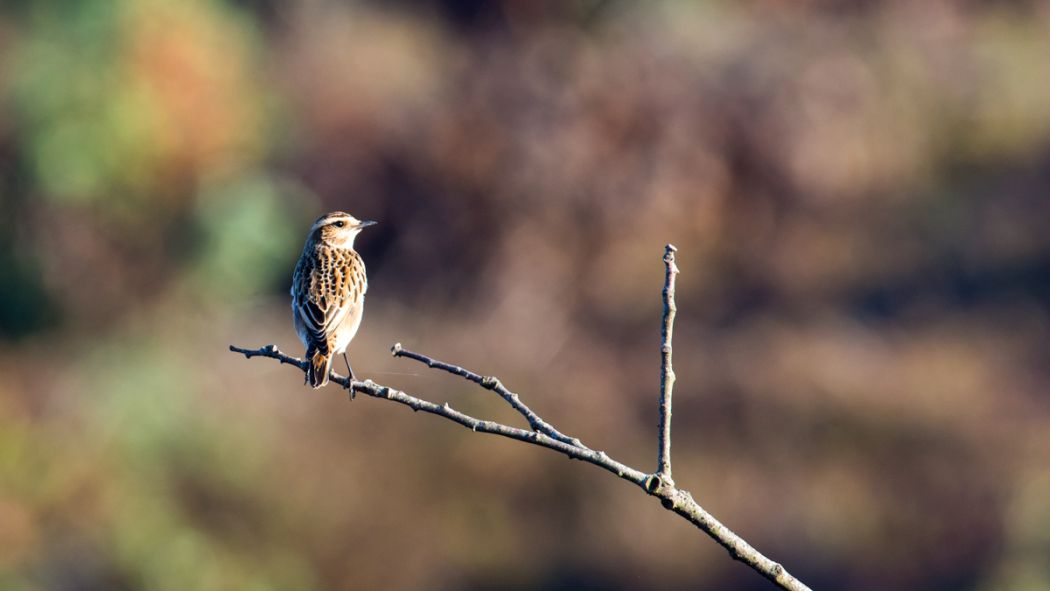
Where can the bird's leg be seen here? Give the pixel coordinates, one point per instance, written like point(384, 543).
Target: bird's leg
point(353, 378)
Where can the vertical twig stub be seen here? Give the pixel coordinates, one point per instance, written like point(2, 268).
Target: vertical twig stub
point(667, 376)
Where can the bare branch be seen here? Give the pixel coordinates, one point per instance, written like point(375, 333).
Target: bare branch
point(494, 384)
point(598, 458)
point(659, 485)
point(667, 377)
point(672, 498)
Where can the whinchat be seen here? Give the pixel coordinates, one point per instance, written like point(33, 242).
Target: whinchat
point(328, 293)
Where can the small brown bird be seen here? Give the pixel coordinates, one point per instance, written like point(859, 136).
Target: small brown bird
point(328, 293)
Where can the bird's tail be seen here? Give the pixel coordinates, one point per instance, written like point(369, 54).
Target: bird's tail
point(320, 365)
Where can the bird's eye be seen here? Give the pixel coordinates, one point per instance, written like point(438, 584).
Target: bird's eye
point(340, 224)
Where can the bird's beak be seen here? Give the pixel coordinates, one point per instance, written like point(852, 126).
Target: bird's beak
point(366, 223)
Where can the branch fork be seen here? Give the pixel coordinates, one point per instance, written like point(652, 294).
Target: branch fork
point(541, 433)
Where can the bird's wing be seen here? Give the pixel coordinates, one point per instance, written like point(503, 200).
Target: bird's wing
point(321, 297)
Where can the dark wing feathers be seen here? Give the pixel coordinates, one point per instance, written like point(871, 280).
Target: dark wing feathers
point(329, 284)
point(313, 313)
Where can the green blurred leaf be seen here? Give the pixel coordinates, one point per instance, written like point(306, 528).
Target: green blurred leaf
point(250, 238)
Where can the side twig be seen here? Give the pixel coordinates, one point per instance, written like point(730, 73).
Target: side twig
point(494, 384)
point(543, 434)
point(370, 388)
point(667, 377)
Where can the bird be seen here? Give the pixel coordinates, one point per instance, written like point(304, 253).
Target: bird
point(328, 293)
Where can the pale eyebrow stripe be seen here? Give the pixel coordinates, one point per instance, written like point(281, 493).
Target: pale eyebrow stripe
point(327, 220)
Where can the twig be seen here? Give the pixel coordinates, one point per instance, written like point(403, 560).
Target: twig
point(577, 452)
point(543, 434)
point(492, 383)
point(667, 377)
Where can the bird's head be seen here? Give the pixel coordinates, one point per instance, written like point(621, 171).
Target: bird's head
point(338, 229)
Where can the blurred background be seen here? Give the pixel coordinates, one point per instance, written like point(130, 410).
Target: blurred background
point(859, 193)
